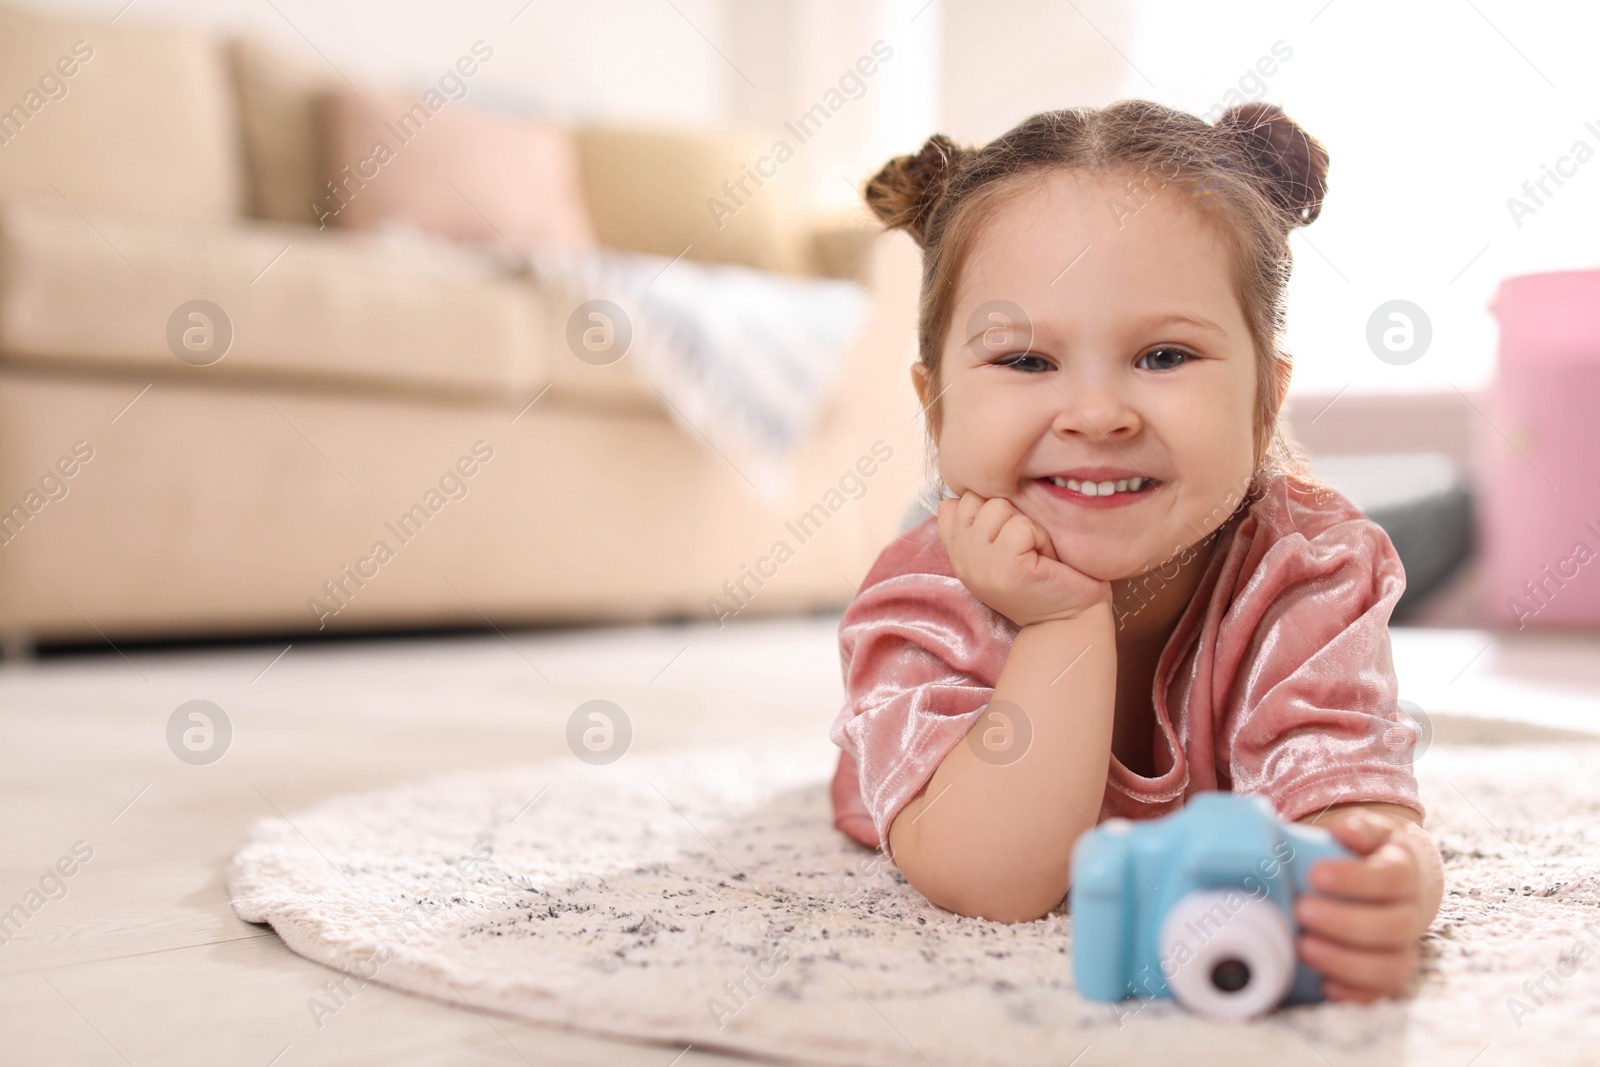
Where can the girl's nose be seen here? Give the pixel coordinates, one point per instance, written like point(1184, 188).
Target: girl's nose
point(1094, 408)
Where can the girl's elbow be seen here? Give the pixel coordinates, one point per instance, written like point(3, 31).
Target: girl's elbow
point(1002, 904)
point(1005, 900)
point(979, 886)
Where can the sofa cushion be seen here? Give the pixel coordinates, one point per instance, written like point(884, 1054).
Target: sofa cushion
point(302, 305)
point(277, 111)
point(115, 118)
point(451, 170)
point(657, 190)
point(207, 511)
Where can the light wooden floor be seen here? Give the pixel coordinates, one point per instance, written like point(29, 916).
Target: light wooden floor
point(142, 961)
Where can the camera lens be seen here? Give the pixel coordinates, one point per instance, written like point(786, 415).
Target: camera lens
point(1225, 954)
point(1230, 975)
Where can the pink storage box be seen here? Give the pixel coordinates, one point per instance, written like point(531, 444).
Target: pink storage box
point(1539, 516)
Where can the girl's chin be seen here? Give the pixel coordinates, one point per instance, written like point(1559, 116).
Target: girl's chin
point(1118, 563)
point(1104, 567)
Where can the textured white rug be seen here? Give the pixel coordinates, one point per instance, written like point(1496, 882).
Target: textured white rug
point(701, 897)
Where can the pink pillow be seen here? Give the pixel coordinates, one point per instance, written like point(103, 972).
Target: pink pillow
point(389, 157)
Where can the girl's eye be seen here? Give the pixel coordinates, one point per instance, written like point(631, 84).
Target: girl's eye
point(1167, 358)
point(1017, 359)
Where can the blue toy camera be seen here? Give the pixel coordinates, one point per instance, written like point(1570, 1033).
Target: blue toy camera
point(1196, 906)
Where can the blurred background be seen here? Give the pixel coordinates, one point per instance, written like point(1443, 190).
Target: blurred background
point(274, 270)
point(339, 319)
point(385, 387)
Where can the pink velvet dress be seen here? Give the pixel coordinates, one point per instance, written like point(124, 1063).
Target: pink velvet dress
point(1277, 679)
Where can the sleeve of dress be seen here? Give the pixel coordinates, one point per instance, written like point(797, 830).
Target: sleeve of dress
point(1313, 719)
point(920, 656)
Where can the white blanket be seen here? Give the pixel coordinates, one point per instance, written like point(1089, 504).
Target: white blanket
point(746, 360)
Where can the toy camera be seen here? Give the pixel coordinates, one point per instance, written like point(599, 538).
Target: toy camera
point(1197, 906)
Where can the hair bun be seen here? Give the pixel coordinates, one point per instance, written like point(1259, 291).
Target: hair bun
point(904, 193)
point(1292, 164)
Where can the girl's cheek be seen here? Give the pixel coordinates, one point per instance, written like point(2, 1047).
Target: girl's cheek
point(1223, 437)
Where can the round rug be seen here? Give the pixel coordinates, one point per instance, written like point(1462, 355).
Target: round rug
point(701, 897)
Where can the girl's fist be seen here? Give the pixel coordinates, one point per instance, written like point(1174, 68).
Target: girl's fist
point(1008, 562)
point(1361, 924)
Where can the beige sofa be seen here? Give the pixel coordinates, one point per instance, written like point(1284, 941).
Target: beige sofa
point(369, 394)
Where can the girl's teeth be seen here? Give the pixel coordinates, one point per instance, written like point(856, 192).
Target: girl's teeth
point(1124, 485)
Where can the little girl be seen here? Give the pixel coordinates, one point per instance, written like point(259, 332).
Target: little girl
point(1134, 591)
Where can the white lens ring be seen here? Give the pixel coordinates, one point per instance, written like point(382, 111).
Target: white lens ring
point(1226, 953)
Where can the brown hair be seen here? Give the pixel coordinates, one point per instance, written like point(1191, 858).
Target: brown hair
point(1256, 172)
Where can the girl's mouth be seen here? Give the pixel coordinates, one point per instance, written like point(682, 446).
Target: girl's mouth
point(1107, 494)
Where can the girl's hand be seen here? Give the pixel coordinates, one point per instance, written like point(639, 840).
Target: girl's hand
point(1362, 921)
point(1008, 562)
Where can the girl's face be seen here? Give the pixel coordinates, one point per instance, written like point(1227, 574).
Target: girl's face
point(1130, 359)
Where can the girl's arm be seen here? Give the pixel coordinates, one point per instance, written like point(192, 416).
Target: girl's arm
point(991, 833)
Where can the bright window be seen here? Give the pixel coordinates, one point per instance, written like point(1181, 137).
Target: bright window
point(1434, 114)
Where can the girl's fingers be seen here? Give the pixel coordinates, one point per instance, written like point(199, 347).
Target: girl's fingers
point(1388, 875)
point(991, 517)
point(947, 521)
point(985, 518)
point(1359, 925)
point(1017, 536)
point(1334, 990)
point(1021, 535)
point(1358, 831)
point(956, 515)
point(967, 507)
point(1042, 542)
point(1384, 972)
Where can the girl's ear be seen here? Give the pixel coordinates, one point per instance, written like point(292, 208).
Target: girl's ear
point(1277, 385)
point(919, 382)
point(922, 382)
